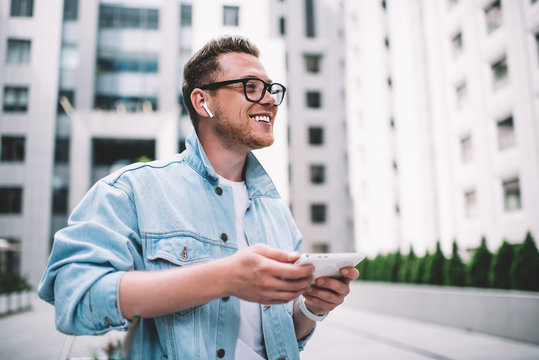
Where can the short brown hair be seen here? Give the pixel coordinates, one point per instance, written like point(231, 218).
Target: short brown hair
point(203, 66)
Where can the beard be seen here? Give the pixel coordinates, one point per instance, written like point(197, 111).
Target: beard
point(236, 134)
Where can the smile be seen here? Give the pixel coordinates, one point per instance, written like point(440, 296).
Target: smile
point(263, 118)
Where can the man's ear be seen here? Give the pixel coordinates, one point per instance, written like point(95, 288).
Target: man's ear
point(198, 99)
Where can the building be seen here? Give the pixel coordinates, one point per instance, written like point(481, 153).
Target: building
point(447, 122)
point(89, 86)
point(316, 68)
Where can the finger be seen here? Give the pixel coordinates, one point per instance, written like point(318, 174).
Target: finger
point(276, 254)
point(289, 285)
point(336, 286)
point(349, 274)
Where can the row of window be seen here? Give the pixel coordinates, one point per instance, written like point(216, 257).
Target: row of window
point(511, 198)
point(506, 139)
point(11, 200)
point(11, 203)
point(25, 8)
point(231, 15)
point(13, 149)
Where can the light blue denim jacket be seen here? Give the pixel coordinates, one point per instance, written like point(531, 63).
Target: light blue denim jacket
point(161, 215)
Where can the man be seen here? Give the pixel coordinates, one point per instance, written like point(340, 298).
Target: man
point(200, 247)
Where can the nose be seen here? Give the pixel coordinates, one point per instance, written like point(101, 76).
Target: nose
point(267, 98)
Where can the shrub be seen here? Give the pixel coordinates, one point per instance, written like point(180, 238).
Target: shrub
point(456, 271)
point(408, 266)
point(478, 272)
point(419, 269)
point(525, 268)
point(500, 274)
point(435, 271)
point(395, 265)
point(363, 267)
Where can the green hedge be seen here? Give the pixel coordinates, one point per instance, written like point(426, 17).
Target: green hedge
point(509, 267)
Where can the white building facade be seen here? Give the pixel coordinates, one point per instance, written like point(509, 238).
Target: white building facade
point(451, 119)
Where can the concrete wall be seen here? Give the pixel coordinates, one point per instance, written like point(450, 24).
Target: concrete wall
point(510, 314)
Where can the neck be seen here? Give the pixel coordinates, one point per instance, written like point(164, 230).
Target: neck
point(226, 162)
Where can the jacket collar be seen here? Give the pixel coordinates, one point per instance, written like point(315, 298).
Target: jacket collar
point(257, 180)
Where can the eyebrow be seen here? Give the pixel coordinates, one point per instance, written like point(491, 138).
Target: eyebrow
point(256, 77)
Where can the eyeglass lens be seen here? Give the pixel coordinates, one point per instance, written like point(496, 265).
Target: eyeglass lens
point(254, 90)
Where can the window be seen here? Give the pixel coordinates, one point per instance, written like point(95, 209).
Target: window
point(320, 247)
point(231, 16)
point(186, 15)
point(10, 200)
point(309, 19)
point(69, 57)
point(386, 41)
point(452, 3)
point(511, 194)
point(456, 44)
point(10, 260)
point(18, 51)
point(506, 133)
point(59, 200)
point(22, 8)
point(461, 94)
point(134, 63)
point(312, 63)
point(282, 25)
point(470, 203)
point(61, 151)
point(318, 213)
point(493, 14)
point(71, 9)
point(316, 135)
point(466, 148)
point(13, 148)
point(314, 99)
point(127, 103)
point(119, 17)
point(500, 73)
point(15, 99)
point(69, 95)
point(318, 174)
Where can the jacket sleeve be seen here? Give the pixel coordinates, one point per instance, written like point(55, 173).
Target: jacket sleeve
point(88, 259)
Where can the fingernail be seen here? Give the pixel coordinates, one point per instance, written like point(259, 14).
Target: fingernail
point(321, 282)
point(292, 255)
point(346, 272)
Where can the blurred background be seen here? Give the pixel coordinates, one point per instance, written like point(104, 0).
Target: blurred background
point(407, 123)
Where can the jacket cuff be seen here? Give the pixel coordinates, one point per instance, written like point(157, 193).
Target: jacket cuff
point(104, 304)
point(303, 342)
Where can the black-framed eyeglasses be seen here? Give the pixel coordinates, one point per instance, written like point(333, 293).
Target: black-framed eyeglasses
point(253, 88)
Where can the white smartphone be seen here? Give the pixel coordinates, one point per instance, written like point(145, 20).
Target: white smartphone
point(330, 264)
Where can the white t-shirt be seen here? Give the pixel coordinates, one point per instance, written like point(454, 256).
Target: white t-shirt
point(250, 345)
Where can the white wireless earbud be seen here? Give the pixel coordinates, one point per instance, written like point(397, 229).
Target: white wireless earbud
point(205, 106)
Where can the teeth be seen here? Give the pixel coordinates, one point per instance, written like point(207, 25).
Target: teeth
point(265, 119)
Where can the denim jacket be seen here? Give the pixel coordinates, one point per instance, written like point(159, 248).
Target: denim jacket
point(161, 215)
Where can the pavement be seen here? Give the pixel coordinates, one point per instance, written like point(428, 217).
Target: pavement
point(348, 333)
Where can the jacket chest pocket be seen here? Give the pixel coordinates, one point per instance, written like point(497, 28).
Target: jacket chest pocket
point(169, 252)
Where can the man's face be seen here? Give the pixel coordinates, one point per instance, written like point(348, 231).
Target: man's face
point(241, 124)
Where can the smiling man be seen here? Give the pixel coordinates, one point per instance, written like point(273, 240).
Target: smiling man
point(199, 248)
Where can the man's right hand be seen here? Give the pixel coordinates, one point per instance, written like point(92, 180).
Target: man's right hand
point(266, 275)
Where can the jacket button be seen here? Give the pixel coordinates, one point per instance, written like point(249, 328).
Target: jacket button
point(221, 353)
point(226, 298)
point(224, 237)
point(218, 190)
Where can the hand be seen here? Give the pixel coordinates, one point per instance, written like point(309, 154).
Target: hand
point(266, 275)
point(328, 293)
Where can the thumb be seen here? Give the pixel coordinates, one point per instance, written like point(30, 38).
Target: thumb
point(276, 254)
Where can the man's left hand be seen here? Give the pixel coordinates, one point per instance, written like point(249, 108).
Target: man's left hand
point(328, 293)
